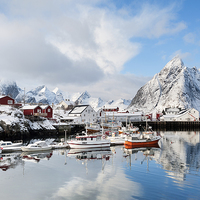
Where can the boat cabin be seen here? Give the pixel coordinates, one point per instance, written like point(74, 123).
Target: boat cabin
point(88, 137)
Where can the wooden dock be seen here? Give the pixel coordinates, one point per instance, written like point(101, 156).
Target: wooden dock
point(170, 125)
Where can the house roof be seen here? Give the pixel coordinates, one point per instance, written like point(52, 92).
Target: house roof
point(2, 96)
point(29, 107)
point(78, 109)
point(45, 106)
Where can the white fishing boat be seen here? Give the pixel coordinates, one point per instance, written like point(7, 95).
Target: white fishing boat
point(128, 129)
point(37, 146)
point(89, 141)
point(59, 145)
point(1, 148)
point(93, 128)
point(9, 146)
point(117, 139)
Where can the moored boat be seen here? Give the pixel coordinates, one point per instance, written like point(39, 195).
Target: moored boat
point(9, 146)
point(59, 145)
point(141, 140)
point(89, 141)
point(37, 146)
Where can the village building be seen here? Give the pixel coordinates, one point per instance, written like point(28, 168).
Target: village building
point(110, 109)
point(48, 110)
point(65, 105)
point(82, 114)
point(33, 110)
point(183, 115)
point(7, 100)
point(172, 111)
point(122, 117)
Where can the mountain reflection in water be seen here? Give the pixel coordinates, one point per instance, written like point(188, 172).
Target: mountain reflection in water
point(167, 171)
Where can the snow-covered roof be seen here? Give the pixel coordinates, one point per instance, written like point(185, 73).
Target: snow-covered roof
point(125, 114)
point(2, 96)
point(44, 106)
point(78, 109)
point(29, 107)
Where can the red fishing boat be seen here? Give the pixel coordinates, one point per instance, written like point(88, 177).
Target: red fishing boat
point(141, 140)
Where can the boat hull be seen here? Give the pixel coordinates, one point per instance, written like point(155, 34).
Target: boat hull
point(33, 149)
point(87, 145)
point(135, 144)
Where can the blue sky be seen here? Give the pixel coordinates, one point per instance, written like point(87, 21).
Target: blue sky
point(109, 48)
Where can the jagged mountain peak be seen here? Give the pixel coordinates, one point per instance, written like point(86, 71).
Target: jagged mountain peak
point(174, 86)
point(173, 66)
point(9, 87)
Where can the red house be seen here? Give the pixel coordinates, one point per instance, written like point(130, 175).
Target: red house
point(48, 110)
point(6, 100)
point(32, 110)
point(111, 109)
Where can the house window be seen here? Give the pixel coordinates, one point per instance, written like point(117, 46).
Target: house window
point(10, 101)
point(49, 110)
point(38, 111)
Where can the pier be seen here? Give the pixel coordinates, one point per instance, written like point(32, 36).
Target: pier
point(170, 125)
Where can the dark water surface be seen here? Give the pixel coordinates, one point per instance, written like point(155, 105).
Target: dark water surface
point(168, 172)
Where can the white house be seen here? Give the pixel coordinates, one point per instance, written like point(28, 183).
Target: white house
point(122, 117)
point(184, 115)
point(85, 112)
point(172, 111)
point(65, 104)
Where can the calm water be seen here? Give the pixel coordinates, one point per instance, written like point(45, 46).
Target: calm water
point(169, 172)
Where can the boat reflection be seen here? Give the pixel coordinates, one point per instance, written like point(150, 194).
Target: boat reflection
point(148, 154)
point(90, 154)
point(36, 157)
point(9, 160)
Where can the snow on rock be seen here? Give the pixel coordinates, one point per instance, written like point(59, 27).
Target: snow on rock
point(174, 86)
point(8, 87)
point(14, 118)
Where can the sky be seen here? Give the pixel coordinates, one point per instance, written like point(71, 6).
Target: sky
point(109, 48)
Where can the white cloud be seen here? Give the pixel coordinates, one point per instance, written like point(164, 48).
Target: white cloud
point(78, 44)
point(181, 54)
point(189, 38)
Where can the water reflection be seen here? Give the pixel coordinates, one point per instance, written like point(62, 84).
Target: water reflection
point(36, 157)
point(111, 173)
point(180, 153)
point(9, 160)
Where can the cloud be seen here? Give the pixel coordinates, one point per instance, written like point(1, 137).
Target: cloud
point(78, 44)
point(189, 38)
point(181, 54)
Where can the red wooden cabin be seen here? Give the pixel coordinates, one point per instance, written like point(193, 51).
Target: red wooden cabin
point(48, 110)
point(32, 110)
point(6, 100)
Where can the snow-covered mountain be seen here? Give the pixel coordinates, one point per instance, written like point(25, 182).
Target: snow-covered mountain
point(10, 88)
point(121, 103)
point(174, 86)
point(42, 95)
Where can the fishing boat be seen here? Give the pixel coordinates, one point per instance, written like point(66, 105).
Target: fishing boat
point(1, 148)
point(37, 146)
point(93, 128)
point(141, 140)
point(85, 141)
point(59, 145)
point(128, 129)
point(117, 139)
point(9, 146)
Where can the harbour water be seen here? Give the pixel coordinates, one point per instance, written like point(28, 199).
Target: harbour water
point(168, 172)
